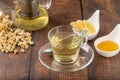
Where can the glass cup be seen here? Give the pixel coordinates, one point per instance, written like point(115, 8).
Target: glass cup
point(65, 44)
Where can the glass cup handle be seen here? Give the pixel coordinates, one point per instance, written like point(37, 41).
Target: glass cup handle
point(85, 40)
point(84, 46)
point(46, 3)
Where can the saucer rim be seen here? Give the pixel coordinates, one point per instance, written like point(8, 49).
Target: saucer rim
point(82, 67)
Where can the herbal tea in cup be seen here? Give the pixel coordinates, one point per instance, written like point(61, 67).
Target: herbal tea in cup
point(65, 44)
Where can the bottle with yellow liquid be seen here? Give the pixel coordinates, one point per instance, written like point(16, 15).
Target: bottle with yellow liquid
point(33, 14)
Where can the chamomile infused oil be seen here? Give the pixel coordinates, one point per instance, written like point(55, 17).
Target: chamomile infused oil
point(32, 16)
point(32, 23)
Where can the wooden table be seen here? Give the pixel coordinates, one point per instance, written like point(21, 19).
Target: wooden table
point(27, 66)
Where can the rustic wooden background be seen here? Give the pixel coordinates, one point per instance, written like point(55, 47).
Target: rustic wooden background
point(27, 66)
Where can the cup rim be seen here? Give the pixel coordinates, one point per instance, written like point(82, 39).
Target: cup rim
point(52, 30)
point(69, 26)
point(56, 28)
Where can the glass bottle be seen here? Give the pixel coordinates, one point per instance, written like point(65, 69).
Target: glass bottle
point(33, 14)
point(7, 10)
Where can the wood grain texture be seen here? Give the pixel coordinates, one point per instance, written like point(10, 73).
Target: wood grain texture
point(7, 2)
point(104, 68)
point(62, 12)
point(14, 67)
point(27, 66)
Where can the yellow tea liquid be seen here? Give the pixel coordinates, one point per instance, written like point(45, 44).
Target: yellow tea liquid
point(65, 47)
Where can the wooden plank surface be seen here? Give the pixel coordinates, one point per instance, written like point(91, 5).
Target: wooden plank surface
point(27, 66)
point(61, 12)
point(104, 68)
point(14, 67)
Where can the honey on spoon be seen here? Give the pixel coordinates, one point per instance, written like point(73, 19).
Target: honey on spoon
point(109, 45)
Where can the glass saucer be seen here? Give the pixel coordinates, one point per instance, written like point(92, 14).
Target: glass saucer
point(45, 56)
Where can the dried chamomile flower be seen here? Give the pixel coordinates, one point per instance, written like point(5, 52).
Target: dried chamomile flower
point(13, 40)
